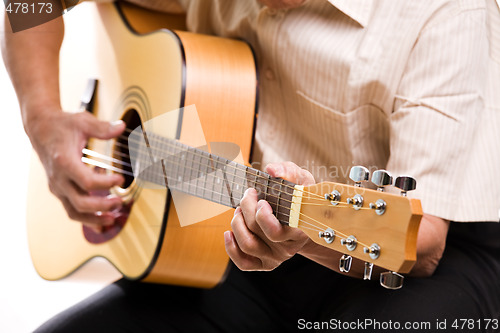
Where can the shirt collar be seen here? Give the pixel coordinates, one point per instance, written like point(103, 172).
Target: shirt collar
point(358, 10)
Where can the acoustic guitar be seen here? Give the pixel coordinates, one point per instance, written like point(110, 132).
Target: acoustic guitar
point(189, 102)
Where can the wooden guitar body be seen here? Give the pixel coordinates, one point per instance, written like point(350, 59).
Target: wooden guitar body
point(142, 76)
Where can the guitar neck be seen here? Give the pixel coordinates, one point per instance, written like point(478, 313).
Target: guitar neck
point(198, 172)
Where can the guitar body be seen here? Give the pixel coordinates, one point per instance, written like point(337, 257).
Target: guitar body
point(142, 76)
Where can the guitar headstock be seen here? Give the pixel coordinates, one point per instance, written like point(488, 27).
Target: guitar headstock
point(374, 226)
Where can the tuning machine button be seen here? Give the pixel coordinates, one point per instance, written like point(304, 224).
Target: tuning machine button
point(373, 251)
point(405, 184)
point(328, 235)
point(381, 178)
point(356, 201)
point(345, 263)
point(378, 206)
point(391, 280)
point(333, 197)
point(359, 174)
point(350, 242)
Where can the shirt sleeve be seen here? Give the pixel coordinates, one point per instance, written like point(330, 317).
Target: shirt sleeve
point(445, 129)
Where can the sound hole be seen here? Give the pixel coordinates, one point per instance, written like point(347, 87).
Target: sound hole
point(120, 153)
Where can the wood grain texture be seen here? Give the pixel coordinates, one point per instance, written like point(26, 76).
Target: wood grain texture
point(145, 73)
point(221, 83)
point(395, 231)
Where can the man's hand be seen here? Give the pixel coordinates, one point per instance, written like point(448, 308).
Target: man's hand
point(258, 241)
point(59, 137)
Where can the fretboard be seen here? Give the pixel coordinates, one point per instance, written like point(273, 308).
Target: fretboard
point(197, 172)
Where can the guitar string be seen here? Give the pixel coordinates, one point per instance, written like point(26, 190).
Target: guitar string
point(300, 213)
point(212, 159)
point(319, 197)
point(232, 182)
point(162, 140)
point(276, 204)
point(315, 226)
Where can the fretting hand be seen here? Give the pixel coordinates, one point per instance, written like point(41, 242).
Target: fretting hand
point(258, 241)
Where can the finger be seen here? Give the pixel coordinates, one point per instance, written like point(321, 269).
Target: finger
point(100, 129)
point(248, 241)
point(88, 203)
point(88, 180)
point(87, 218)
point(291, 172)
point(271, 227)
point(242, 260)
point(248, 205)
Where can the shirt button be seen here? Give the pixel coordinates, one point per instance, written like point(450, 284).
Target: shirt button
point(269, 74)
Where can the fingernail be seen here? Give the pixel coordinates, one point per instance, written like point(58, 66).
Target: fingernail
point(116, 123)
point(237, 210)
point(249, 191)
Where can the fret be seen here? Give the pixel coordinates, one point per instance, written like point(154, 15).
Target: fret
point(239, 184)
point(279, 202)
point(251, 176)
point(272, 193)
point(175, 171)
point(217, 184)
point(286, 200)
point(226, 183)
point(225, 192)
point(192, 178)
point(199, 178)
point(261, 185)
point(205, 160)
point(234, 183)
point(197, 172)
point(186, 179)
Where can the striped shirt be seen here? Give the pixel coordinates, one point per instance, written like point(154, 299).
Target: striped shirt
point(408, 86)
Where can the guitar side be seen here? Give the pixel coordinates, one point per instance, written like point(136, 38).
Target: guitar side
point(152, 244)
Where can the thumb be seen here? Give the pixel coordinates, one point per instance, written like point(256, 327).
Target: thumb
point(103, 129)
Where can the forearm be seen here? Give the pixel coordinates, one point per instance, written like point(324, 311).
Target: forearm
point(32, 60)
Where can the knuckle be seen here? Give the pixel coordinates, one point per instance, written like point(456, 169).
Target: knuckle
point(85, 184)
point(72, 214)
point(60, 160)
point(79, 206)
point(248, 245)
point(290, 251)
point(88, 183)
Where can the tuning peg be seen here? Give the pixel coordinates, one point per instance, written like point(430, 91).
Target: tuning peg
point(345, 263)
point(328, 235)
point(405, 184)
point(391, 280)
point(359, 174)
point(368, 271)
point(381, 178)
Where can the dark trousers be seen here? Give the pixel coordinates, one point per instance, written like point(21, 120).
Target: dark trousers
point(462, 296)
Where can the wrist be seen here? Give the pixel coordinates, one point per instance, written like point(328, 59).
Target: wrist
point(34, 115)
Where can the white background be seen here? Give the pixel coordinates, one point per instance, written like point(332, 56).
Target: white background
point(26, 300)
